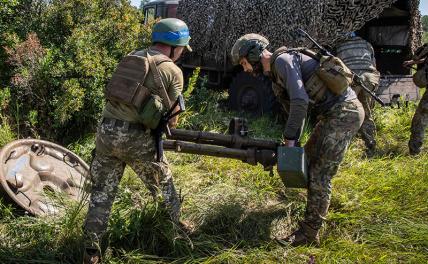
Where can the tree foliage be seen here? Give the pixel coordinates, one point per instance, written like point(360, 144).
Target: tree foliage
point(425, 23)
point(57, 57)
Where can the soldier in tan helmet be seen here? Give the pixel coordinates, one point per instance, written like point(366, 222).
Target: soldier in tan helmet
point(339, 115)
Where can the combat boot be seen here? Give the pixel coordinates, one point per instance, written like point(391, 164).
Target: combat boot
point(370, 149)
point(414, 148)
point(91, 256)
point(305, 235)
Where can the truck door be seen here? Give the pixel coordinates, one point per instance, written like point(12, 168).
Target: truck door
point(149, 13)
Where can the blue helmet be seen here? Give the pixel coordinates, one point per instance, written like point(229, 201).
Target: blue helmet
point(171, 31)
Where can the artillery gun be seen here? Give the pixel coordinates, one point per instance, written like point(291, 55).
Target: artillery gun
point(290, 161)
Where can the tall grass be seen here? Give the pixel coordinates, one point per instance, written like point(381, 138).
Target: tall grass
point(378, 213)
point(6, 133)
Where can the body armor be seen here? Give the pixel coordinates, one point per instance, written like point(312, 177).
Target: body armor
point(357, 54)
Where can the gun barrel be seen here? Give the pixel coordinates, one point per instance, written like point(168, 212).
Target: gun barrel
point(231, 141)
point(247, 155)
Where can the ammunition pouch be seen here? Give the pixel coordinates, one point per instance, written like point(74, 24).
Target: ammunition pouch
point(315, 88)
point(151, 112)
point(335, 74)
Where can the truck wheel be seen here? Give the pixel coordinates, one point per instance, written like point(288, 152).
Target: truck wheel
point(251, 94)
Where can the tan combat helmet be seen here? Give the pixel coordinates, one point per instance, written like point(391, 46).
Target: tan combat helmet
point(249, 46)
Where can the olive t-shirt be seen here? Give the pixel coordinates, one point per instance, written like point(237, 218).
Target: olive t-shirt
point(172, 79)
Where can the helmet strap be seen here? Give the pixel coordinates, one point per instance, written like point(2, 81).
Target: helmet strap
point(171, 53)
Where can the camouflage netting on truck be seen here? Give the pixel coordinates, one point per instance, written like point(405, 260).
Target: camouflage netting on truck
point(416, 33)
point(216, 24)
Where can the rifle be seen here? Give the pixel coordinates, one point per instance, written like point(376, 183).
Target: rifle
point(163, 125)
point(356, 78)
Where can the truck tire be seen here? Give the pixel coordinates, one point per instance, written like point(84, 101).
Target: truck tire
point(251, 94)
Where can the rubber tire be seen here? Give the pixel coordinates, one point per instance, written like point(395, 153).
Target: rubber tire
point(251, 94)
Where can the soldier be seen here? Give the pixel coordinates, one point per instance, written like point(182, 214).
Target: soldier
point(122, 139)
point(358, 55)
point(420, 119)
point(339, 118)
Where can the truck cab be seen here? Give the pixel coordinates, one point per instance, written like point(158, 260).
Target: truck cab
point(389, 35)
point(160, 8)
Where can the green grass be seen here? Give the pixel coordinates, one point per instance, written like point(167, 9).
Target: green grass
point(378, 213)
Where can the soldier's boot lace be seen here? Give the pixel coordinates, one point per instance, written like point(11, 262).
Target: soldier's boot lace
point(91, 256)
point(305, 235)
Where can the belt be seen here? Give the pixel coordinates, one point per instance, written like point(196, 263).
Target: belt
point(123, 124)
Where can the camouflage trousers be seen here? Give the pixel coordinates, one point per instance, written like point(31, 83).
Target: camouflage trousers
point(419, 125)
point(116, 147)
point(325, 150)
point(367, 131)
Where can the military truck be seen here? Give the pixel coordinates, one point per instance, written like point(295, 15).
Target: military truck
point(393, 27)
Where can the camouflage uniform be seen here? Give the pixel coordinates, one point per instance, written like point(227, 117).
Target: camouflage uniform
point(325, 150)
point(298, 88)
point(420, 119)
point(419, 125)
point(123, 140)
point(368, 128)
point(338, 121)
point(358, 55)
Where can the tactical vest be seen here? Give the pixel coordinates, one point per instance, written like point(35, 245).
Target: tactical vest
point(126, 85)
point(332, 74)
point(356, 54)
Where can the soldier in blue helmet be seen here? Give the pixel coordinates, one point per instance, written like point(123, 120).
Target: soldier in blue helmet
point(124, 136)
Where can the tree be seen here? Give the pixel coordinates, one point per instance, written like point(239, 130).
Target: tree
point(57, 74)
point(425, 23)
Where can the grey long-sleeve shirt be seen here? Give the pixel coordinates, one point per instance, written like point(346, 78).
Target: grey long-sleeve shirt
point(293, 70)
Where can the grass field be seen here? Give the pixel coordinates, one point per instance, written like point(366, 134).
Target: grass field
point(378, 213)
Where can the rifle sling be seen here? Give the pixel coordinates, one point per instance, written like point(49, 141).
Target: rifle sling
point(158, 82)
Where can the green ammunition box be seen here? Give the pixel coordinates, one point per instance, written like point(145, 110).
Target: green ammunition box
point(292, 167)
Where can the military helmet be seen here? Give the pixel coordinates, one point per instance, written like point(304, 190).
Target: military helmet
point(249, 46)
point(171, 31)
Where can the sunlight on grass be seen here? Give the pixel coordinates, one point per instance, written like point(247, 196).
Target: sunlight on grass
point(378, 210)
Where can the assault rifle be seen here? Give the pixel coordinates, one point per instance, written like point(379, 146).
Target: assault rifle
point(163, 125)
point(356, 78)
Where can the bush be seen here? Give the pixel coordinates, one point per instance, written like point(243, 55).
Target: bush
point(61, 59)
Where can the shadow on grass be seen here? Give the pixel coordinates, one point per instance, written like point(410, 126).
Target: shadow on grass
point(37, 244)
point(227, 226)
point(231, 224)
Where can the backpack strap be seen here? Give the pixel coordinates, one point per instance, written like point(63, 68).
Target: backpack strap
point(282, 50)
point(275, 56)
point(158, 81)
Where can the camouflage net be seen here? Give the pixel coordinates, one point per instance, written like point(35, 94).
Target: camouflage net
point(216, 24)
